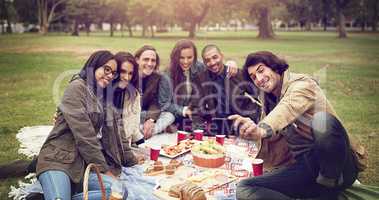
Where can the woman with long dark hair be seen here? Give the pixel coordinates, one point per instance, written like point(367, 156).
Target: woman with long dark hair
point(175, 87)
point(85, 132)
point(127, 98)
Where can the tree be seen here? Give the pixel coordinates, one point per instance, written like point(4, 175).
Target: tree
point(231, 13)
point(191, 13)
point(305, 12)
point(150, 13)
point(8, 14)
point(82, 13)
point(46, 13)
point(262, 11)
point(374, 5)
point(125, 17)
point(326, 12)
point(340, 6)
point(110, 12)
point(26, 11)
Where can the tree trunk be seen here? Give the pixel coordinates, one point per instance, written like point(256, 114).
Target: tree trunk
point(129, 29)
point(143, 30)
point(9, 27)
point(42, 16)
point(6, 16)
point(363, 26)
point(111, 29)
point(88, 27)
point(46, 14)
point(44, 28)
point(152, 30)
point(341, 24)
point(308, 26)
point(374, 16)
point(100, 25)
point(2, 27)
point(264, 24)
point(192, 30)
point(198, 19)
point(325, 23)
point(341, 5)
point(75, 32)
point(122, 29)
point(325, 14)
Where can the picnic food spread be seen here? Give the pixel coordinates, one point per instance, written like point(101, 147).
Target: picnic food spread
point(208, 154)
point(204, 168)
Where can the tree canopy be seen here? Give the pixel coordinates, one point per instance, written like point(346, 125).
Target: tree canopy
point(190, 15)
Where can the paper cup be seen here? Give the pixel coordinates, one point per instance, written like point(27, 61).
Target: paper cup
point(198, 134)
point(182, 135)
point(257, 167)
point(154, 152)
point(220, 139)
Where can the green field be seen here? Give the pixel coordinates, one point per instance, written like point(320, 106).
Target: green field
point(348, 70)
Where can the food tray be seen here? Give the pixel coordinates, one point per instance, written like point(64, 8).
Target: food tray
point(184, 145)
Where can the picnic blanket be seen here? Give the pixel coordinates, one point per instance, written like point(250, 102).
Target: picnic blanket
point(139, 187)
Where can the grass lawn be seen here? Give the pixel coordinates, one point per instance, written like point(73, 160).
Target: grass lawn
point(347, 69)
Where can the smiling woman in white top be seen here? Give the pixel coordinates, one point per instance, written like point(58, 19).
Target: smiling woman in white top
point(127, 98)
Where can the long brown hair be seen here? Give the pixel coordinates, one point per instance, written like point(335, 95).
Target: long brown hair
point(176, 72)
point(132, 89)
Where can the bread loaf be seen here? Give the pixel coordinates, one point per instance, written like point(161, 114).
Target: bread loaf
point(187, 191)
point(158, 166)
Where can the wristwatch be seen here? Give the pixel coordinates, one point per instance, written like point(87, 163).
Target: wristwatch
point(267, 128)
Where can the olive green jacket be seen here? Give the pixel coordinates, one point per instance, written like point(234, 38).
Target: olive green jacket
point(74, 141)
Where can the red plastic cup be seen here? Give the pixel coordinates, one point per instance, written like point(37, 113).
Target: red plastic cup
point(198, 134)
point(182, 135)
point(154, 152)
point(257, 167)
point(220, 139)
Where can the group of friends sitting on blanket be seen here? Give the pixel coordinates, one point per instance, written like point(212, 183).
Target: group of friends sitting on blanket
point(118, 100)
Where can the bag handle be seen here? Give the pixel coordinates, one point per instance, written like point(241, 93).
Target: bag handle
point(100, 179)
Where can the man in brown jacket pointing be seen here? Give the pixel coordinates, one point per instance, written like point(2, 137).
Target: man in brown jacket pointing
point(295, 110)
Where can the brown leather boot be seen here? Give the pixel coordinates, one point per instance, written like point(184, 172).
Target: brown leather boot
point(16, 168)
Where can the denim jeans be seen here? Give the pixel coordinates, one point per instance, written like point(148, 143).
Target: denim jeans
point(57, 185)
point(164, 120)
point(330, 156)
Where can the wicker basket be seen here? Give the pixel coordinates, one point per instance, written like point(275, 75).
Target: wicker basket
point(85, 181)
